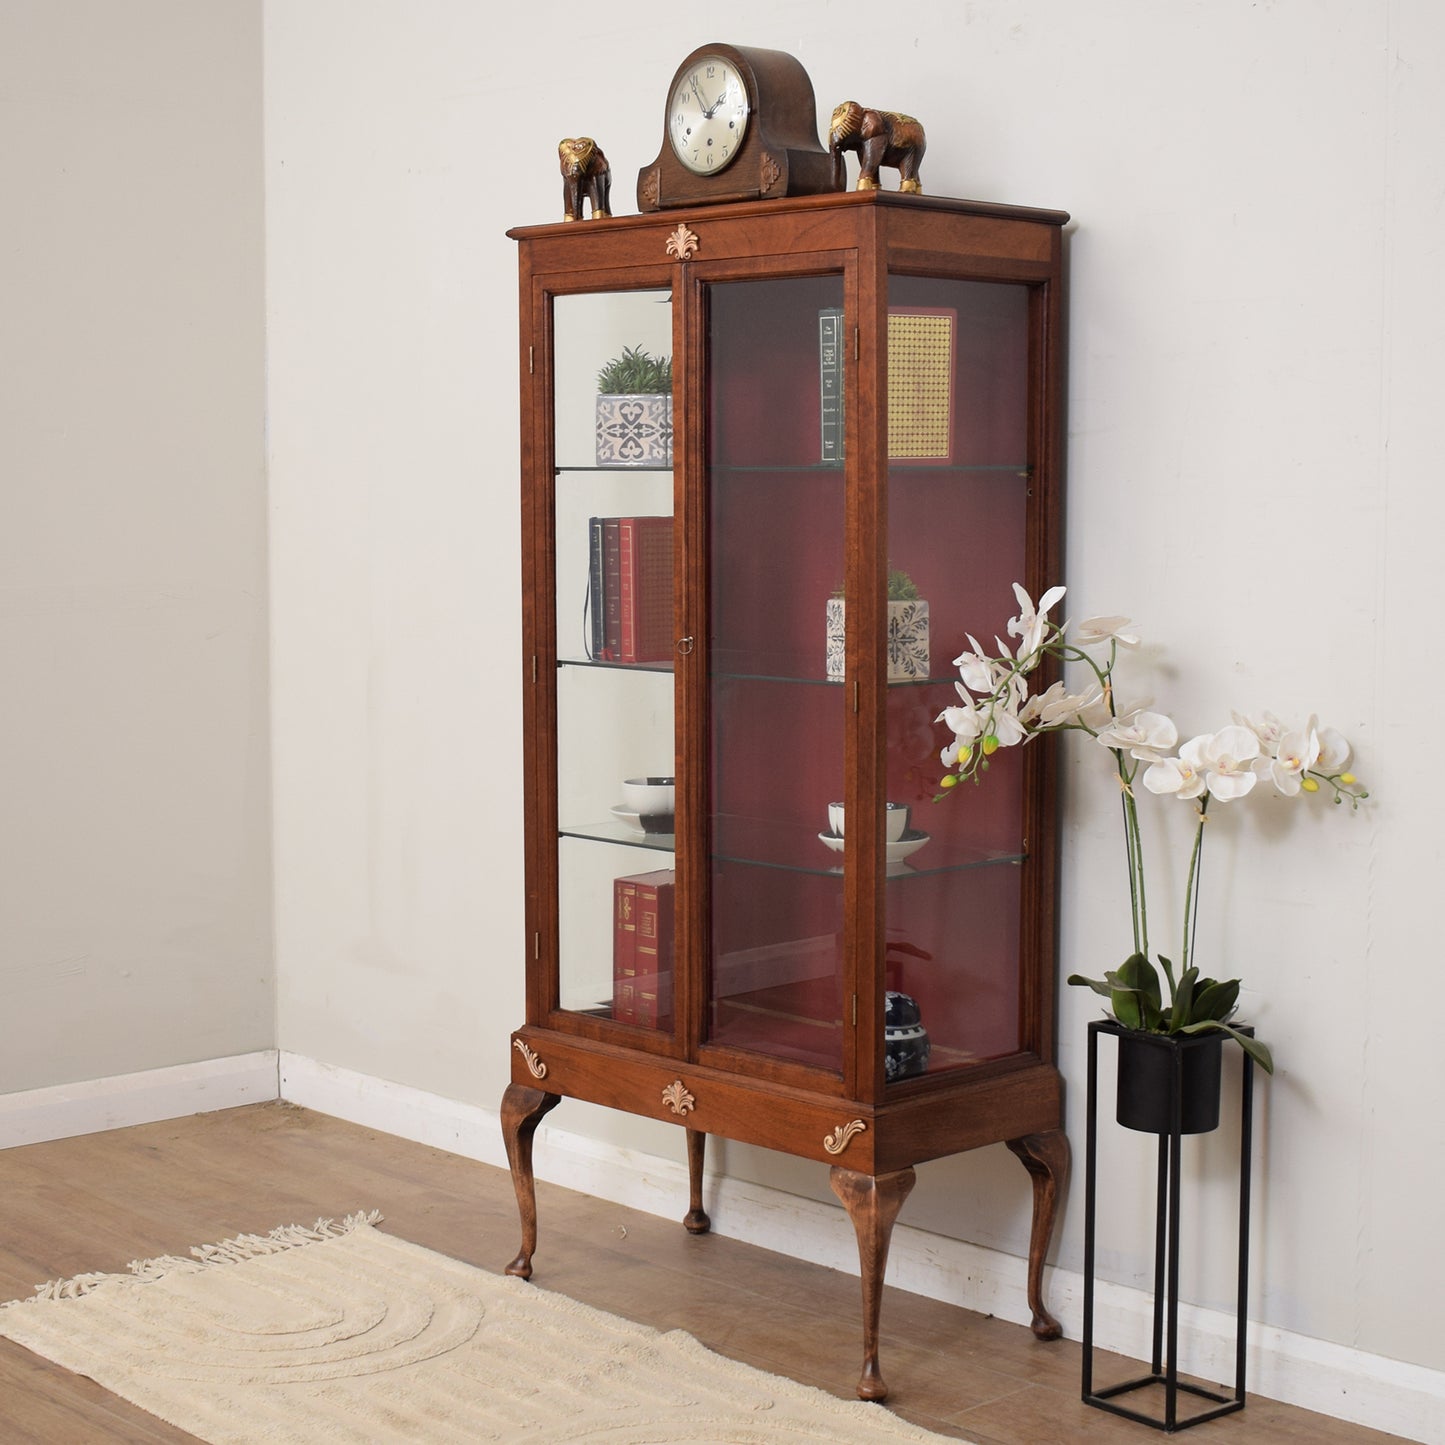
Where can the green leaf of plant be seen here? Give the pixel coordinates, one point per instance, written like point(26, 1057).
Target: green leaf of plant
point(1181, 1013)
point(1215, 1000)
point(1128, 1008)
point(1097, 984)
point(1257, 1050)
point(1137, 972)
point(1168, 973)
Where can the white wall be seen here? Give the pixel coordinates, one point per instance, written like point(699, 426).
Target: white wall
point(135, 926)
point(1255, 328)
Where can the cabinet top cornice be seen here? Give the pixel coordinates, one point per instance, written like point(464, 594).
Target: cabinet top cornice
point(733, 210)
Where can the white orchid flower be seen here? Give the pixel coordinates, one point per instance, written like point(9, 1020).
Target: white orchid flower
point(1334, 755)
point(1104, 629)
point(1176, 776)
point(1029, 624)
point(1004, 725)
point(1296, 754)
point(1147, 736)
point(1226, 759)
point(977, 669)
point(1055, 707)
point(1268, 729)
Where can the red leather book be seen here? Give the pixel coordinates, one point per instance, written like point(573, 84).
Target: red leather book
point(624, 950)
point(654, 944)
point(644, 546)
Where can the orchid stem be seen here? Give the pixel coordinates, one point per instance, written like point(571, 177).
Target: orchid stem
point(1191, 891)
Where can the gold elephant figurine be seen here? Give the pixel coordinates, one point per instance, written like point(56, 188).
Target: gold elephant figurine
point(881, 138)
point(585, 175)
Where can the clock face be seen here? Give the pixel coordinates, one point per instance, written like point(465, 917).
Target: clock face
point(708, 115)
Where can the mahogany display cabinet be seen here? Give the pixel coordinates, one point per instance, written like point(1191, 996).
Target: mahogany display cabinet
point(746, 914)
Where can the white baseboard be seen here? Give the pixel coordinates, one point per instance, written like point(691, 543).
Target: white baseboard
point(67, 1110)
point(1401, 1399)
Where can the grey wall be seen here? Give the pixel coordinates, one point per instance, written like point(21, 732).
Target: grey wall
point(135, 917)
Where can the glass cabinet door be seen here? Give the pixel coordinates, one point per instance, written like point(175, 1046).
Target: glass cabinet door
point(776, 709)
point(616, 754)
point(958, 490)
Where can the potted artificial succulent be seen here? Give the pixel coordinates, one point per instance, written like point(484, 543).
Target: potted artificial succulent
point(634, 410)
point(998, 710)
point(907, 631)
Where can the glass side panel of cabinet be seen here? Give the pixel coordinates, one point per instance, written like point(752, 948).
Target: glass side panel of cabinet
point(613, 566)
point(776, 718)
point(958, 478)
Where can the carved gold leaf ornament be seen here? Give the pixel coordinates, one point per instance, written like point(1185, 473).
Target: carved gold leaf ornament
point(682, 243)
point(535, 1066)
point(837, 1142)
point(677, 1098)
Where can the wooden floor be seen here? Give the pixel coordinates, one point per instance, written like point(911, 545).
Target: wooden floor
point(97, 1202)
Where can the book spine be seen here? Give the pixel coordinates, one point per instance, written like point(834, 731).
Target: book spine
point(830, 383)
point(627, 589)
point(595, 634)
point(655, 935)
point(624, 950)
point(611, 590)
point(645, 586)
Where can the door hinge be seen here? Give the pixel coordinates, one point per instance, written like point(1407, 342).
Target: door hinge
point(531, 361)
point(534, 667)
point(855, 699)
point(536, 945)
point(855, 1010)
point(856, 350)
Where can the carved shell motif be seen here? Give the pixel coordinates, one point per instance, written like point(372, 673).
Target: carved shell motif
point(535, 1066)
point(682, 243)
point(677, 1098)
point(837, 1142)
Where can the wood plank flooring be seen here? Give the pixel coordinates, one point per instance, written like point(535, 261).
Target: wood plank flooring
point(97, 1202)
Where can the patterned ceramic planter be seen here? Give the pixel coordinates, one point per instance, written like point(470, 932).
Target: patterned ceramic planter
point(907, 640)
point(634, 429)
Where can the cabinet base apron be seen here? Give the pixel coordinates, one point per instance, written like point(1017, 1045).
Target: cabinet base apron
point(875, 1142)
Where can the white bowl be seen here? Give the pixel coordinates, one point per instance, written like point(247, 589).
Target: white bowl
point(651, 797)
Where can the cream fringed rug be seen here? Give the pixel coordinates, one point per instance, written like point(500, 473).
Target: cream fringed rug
point(342, 1333)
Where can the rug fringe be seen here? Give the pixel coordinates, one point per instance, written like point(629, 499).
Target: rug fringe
point(203, 1256)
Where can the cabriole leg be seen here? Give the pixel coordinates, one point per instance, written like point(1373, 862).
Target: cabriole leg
point(522, 1111)
point(697, 1221)
point(872, 1202)
point(1046, 1157)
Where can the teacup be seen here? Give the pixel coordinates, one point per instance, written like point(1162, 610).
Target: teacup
point(895, 820)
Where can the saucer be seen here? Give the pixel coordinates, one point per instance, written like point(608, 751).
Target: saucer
point(908, 844)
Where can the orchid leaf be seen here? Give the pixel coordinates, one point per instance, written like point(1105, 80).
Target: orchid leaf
point(1136, 972)
point(1258, 1051)
point(1097, 984)
point(1169, 974)
point(1215, 1000)
point(1182, 1012)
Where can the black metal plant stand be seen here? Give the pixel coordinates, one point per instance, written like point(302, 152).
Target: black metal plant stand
point(1165, 1361)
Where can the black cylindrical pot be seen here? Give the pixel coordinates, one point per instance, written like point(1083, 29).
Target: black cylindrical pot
point(1146, 1069)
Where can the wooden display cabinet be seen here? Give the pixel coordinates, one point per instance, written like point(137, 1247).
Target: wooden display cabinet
point(864, 384)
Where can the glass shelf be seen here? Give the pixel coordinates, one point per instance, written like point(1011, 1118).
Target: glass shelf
point(765, 843)
point(604, 665)
point(564, 468)
point(612, 831)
